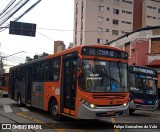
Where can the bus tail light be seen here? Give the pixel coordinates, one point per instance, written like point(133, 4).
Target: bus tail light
point(86, 103)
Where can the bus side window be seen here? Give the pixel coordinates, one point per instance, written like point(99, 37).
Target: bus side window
point(54, 69)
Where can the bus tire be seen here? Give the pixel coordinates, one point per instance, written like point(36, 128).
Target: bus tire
point(54, 111)
point(19, 100)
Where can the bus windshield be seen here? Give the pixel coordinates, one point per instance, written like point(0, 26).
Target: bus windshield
point(103, 76)
point(142, 84)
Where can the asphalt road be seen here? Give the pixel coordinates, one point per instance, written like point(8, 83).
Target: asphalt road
point(11, 113)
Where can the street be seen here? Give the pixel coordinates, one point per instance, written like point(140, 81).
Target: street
point(11, 113)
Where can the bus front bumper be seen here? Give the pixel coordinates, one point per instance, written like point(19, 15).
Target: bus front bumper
point(85, 112)
point(137, 106)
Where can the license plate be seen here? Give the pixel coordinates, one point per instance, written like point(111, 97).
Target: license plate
point(110, 113)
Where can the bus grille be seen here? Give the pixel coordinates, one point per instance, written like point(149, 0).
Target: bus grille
point(108, 96)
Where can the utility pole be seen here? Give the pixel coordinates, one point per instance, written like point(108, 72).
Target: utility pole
point(1, 63)
point(2, 70)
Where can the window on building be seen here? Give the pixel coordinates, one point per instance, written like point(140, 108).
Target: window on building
point(128, 12)
point(154, 8)
point(123, 11)
point(100, 29)
point(154, 17)
point(150, 7)
point(115, 11)
point(149, 16)
point(77, 8)
point(114, 32)
point(100, 19)
point(129, 2)
point(107, 19)
point(123, 22)
point(101, 8)
point(100, 41)
point(128, 23)
point(107, 30)
point(158, 10)
point(108, 9)
point(115, 22)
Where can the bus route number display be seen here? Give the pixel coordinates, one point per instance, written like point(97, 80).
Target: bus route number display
point(104, 52)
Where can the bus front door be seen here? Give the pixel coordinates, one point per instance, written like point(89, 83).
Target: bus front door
point(69, 86)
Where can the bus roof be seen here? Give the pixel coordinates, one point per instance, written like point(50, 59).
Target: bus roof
point(77, 48)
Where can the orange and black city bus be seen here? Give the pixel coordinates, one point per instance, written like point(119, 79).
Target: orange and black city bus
point(4, 83)
point(84, 82)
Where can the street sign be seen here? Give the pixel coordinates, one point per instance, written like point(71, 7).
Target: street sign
point(21, 28)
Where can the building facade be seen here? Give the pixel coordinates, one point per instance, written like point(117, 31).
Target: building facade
point(101, 21)
point(59, 46)
point(146, 13)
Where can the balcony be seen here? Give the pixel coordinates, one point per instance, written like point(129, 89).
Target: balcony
point(152, 59)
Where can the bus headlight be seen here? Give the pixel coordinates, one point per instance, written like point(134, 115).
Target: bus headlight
point(92, 106)
point(125, 104)
point(86, 103)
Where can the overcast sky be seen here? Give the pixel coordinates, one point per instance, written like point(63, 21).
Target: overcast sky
point(48, 15)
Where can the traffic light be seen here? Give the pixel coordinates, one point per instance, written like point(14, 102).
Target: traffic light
point(21, 28)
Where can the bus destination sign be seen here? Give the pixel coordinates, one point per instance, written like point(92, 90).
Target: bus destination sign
point(104, 52)
point(142, 70)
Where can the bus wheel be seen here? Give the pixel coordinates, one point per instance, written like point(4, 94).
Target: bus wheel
point(54, 111)
point(19, 101)
point(131, 111)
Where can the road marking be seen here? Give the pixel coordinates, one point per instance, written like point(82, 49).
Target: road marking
point(7, 108)
point(22, 114)
point(24, 109)
point(60, 130)
point(113, 121)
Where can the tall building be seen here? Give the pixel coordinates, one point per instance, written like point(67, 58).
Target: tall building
point(146, 13)
point(59, 46)
point(100, 21)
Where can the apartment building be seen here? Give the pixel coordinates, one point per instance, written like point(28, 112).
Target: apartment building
point(101, 21)
point(146, 13)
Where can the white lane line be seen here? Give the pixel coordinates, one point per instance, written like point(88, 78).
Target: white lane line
point(7, 108)
point(24, 109)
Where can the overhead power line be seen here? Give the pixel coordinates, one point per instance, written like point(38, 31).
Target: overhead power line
point(11, 9)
